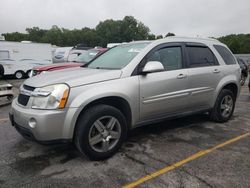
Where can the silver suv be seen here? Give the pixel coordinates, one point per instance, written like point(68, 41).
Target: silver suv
point(128, 86)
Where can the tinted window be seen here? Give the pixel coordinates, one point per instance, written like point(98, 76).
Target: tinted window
point(170, 57)
point(200, 56)
point(225, 54)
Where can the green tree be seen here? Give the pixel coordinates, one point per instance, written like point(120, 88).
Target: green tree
point(15, 36)
point(237, 43)
point(151, 37)
point(133, 29)
point(125, 30)
point(35, 34)
point(109, 31)
point(159, 37)
point(169, 34)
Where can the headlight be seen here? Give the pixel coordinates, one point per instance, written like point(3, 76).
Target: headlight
point(50, 97)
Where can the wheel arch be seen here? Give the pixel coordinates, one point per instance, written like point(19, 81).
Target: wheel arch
point(232, 87)
point(116, 101)
point(231, 82)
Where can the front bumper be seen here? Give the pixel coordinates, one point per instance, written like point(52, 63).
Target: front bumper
point(49, 124)
point(6, 90)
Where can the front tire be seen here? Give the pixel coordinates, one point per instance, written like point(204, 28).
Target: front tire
point(100, 132)
point(224, 106)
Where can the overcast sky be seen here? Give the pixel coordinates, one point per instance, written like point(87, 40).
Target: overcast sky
point(204, 18)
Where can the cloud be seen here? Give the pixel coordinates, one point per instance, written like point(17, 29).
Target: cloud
point(183, 17)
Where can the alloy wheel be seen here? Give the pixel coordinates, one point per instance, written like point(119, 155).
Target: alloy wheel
point(226, 106)
point(104, 134)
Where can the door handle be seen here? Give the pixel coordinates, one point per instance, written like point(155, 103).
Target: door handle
point(216, 71)
point(181, 76)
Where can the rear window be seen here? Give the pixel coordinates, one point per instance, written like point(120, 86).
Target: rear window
point(225, 54)
point(4, 54)
point(200, 56)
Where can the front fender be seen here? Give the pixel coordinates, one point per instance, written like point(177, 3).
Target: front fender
point(127, 89)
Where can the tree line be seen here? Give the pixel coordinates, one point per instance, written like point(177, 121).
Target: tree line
point(111, 31)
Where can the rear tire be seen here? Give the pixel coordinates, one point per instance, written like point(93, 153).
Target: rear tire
point(100, 132)
point(224, 106)
point(19, 74)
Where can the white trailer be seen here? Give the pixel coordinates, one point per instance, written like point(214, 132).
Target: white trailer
point(18, 58)
point(22, 68)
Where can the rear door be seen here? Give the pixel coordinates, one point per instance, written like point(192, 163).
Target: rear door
point(164, 93)
point(204, 75)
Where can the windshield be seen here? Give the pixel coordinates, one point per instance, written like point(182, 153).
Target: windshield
point(118, 57)
point(86, 56)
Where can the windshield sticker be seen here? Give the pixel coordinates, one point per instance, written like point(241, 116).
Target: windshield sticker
point(93, 53)
point(134, 50)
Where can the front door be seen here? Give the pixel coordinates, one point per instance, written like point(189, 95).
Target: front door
point(164, 93)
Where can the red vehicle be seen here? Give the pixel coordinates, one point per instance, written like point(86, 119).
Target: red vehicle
point(82, 59)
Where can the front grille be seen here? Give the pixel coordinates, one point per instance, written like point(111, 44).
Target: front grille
point(24, 99)
point(29, 88)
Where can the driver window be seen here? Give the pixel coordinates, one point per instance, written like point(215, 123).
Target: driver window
point(170, 57)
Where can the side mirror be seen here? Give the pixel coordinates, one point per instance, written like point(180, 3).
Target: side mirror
point(153, 66)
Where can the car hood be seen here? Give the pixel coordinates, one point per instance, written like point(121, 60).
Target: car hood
point(57, 65)
point(73, 77)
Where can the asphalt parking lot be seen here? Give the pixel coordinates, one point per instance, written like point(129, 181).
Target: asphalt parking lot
point(186, 152)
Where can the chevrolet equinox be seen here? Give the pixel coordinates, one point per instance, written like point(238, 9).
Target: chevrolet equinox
point(130, 85)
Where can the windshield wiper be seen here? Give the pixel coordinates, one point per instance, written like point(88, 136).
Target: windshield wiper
point(106, 68)
point(100, 68)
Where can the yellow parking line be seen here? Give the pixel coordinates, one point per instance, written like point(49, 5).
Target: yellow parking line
point(180, 163)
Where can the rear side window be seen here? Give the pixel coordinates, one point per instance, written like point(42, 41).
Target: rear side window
point(225, 54)
point(200, 56)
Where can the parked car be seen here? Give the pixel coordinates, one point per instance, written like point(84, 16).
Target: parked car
point(244, 71)
point(6, 91)
point(61, 54)
point(80, 60)
point(64, 54)
point(1, 71)
point(128, 86)
point(249, 84)
point(74, 53)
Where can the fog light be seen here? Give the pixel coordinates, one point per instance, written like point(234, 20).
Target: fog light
point(32, 123)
